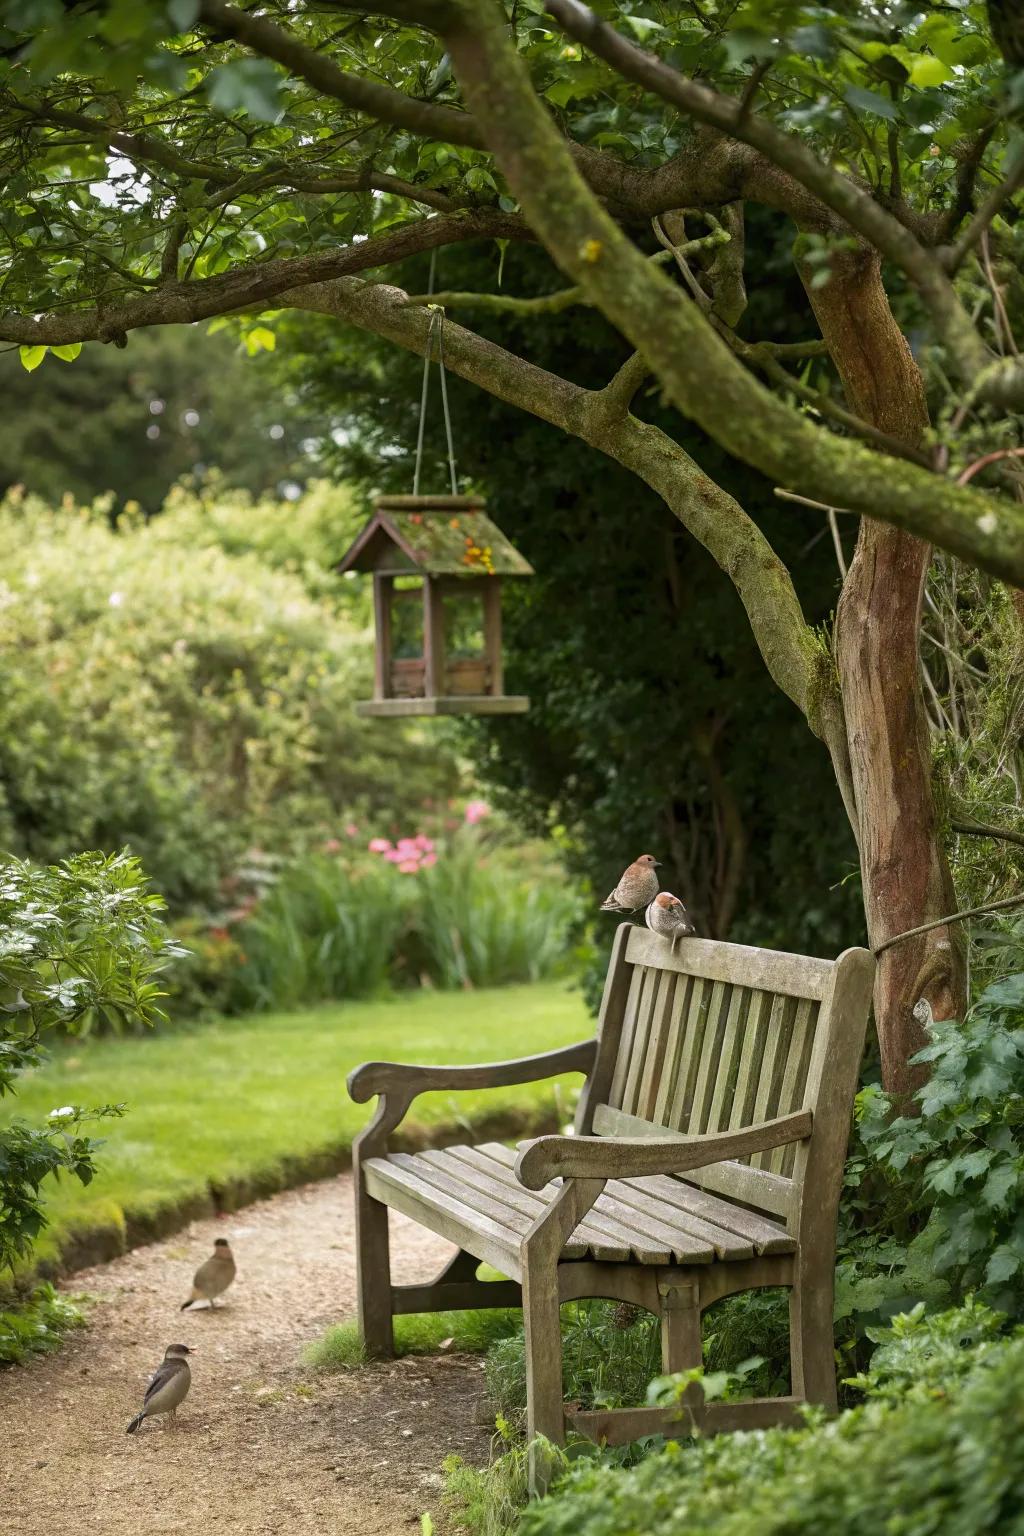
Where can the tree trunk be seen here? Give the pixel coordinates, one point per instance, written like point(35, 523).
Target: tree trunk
point(904, 868)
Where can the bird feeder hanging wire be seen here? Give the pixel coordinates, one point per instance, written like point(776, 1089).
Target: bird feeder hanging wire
point(435, 332)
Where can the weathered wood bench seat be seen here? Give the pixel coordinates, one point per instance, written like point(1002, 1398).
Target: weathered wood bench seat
point(707, 1160)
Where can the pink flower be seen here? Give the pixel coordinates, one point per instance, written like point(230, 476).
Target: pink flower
point(393, 856)
point(408, 845)
point(379, 844)
point(425, 843)
point(428, 859)
point(476, 810)
point(408, 867)
point(351, 830)
point(332, 845)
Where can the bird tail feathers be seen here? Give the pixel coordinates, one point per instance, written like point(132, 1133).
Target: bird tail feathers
point(133, 1426)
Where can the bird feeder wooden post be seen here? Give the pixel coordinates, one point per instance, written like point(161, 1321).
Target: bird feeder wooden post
point(446, 553)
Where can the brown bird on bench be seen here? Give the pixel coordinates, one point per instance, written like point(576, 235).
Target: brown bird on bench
point(637, 886)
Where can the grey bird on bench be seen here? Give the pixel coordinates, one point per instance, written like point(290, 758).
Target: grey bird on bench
point(707, 1160)
point(168, 1386)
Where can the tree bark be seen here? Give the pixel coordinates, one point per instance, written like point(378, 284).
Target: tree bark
point(905, 871)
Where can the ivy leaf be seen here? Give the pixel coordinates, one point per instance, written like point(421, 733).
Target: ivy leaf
point(1003, 1264)
point(250, 85)
point(31, 357)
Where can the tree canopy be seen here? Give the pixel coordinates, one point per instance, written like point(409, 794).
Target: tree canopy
point(194, 160)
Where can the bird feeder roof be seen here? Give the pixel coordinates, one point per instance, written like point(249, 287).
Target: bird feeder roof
point(440, 536)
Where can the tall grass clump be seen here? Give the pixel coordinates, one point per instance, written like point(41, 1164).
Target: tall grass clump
point(457, 911)
point(323, 931)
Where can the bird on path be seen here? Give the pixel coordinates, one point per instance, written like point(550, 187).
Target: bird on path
point(637, 886)
point(168, 1386)
point(213, 1278)
point(667, 915)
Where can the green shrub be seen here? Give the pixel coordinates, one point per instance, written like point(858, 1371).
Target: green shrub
point(938, 1447)
point(958, 1162)
point(37, 1325)
point(162, 691)
point(79, 942)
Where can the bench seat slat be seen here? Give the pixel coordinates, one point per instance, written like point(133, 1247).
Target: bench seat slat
point(722, 1243)
point(471, 1195)
point(597, 1227)
point(766, 1236)
point(492, 1176)
point(614, 1237)
point(487, 1239)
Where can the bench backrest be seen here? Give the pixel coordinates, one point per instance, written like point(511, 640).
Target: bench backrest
point(713, 1037)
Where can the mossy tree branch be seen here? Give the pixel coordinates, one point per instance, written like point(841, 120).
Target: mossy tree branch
point(699, 374)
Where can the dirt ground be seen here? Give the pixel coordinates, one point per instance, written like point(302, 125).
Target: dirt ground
point(261, 1444)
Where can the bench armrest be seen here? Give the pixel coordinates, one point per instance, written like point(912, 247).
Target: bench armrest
point(407, 1081)
point(620, 1157)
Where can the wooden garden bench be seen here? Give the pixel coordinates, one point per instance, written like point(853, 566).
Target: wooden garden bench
point(708, 1159)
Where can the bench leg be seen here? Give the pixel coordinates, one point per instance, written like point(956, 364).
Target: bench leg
point(812, 1342)
point(681, 1347)
point(545, 1408)
point(373, 1274)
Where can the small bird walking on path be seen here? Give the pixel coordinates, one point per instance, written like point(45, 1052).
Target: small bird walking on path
point(213, 1278)
point(168, 1386)
point(667, 915)
point(637, 887)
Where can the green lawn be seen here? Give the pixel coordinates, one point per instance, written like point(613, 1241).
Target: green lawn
point(225, 1112)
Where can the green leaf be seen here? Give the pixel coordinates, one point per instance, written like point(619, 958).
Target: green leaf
point(927, 70)
point(869, 101)
point(1003, 1264)
point(260, 339)
point(69, 353)
point(642, 26)
point(31, 357)
point(250, 85)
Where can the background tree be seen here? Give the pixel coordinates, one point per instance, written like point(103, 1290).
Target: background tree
point(132, 422)
point(241, 154)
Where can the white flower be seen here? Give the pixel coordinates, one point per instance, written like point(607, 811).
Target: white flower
point(62, 1114)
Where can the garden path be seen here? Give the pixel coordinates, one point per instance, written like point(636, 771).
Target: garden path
point(262, 1446)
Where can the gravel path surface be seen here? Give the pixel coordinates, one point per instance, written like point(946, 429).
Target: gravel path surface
point(261, 1445)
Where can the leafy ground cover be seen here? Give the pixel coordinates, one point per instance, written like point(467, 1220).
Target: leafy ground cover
point(242, 1107)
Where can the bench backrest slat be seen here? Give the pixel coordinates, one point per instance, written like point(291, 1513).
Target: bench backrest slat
point(712, 1037)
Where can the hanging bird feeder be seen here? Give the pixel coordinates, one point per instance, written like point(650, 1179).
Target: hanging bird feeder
point(438, 563)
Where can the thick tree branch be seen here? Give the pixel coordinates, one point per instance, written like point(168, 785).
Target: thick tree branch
point(856, 207)
point(256, 284)
point(699, 374)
